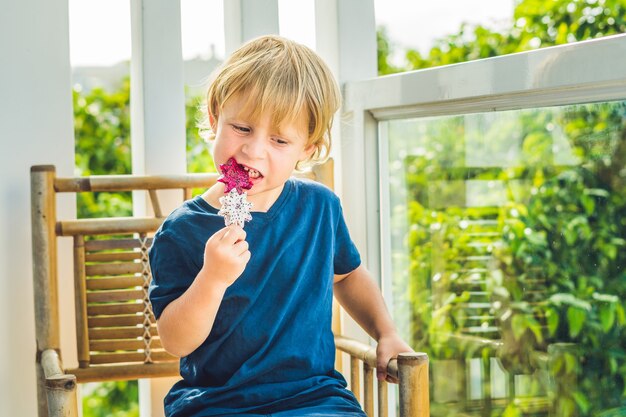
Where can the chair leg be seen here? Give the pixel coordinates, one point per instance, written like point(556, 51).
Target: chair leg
point(62, 396)
point(42, 401)
point(60, 387)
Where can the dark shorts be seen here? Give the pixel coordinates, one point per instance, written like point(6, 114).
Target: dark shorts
point(329, 407)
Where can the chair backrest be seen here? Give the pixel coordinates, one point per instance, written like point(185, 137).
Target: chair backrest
point(116, 330)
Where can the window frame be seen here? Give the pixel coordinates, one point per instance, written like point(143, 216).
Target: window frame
point(581, 72)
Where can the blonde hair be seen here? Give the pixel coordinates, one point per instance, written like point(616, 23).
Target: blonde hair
point(276, 75)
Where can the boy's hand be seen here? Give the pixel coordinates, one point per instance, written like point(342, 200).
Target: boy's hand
point(226, 255)
point(388, 348)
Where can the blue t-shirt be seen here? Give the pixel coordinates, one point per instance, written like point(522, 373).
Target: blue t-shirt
point(271, 347)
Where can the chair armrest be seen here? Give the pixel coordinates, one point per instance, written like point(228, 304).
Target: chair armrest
point(60, 387)
point(365, 353)
point(410, 369)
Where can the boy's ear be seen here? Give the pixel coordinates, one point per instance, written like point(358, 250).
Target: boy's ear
point(307, 152)
point(213, 122)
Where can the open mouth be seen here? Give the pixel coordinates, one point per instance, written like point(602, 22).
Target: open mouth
point(253, 174)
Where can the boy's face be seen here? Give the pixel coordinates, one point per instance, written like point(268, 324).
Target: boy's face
point(269, 153)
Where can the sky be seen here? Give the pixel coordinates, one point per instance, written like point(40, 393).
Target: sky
point(100, 29)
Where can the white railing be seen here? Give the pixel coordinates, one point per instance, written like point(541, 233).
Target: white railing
point(582, 72)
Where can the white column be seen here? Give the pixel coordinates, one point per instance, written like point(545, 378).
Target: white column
point(345, 36)
point(157, 124)
point(157, 88)
point(36, 127)
point(248, 19)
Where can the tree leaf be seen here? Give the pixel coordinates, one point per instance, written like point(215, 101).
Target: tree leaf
point(581, 401)
point(534, 327)
point(571, 363)
point(588, 203)
point(552, 317)
point(570, 299)
point(607, 316)
point(576, 319)
point(606, 298)
point(518, 324)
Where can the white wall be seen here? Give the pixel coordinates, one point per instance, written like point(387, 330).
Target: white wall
point(35, 128)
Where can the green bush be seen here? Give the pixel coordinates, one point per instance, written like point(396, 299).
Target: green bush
point(570, 235)
point(111, 399)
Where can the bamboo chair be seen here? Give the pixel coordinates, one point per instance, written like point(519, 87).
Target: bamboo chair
point(115, 328)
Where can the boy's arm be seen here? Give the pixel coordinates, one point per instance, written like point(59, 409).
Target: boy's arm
point(360, 297)
point(187, 321)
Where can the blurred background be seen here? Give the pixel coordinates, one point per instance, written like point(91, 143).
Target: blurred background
point(506, 229)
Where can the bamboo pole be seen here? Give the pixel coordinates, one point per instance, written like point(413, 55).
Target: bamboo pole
point(112, 256)
point(60, 387)
point(44, 253)
point(114, 283)
point(114, 295)
point(108, 226)
point(413, 373)
point(112, 309)
point(119, 333)
point(156, 206)
point(355, 378)
point(80, 302)
point(117, 321)
point(133, 182)
point(113, 269)
point(124, 344)
point(363, 352)
point(368, 389)
point(324, 173)
point(383, 399)
point(111, 244)
point(336, 328)
point(126, 372)
point(123, 357)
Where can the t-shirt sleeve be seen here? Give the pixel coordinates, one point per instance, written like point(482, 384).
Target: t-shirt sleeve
point(347, 257)
point(172, 269)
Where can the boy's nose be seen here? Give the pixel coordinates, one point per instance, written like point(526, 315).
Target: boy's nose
point(254, 148)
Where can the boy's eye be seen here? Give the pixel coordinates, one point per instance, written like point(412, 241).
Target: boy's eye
point(280, 141)
point(241, 129)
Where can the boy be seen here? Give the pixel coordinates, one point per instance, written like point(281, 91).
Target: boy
point(249, 311)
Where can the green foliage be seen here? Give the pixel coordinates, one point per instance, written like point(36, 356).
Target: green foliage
point(579, 213)
point(111, 399)
point(199, 158)
point(102, 146)
point(558, 238)
point(536, 23)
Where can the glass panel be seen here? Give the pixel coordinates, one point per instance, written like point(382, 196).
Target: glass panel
point(507, 257)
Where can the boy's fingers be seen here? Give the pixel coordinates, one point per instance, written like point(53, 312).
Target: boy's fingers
point(241, 247)
point(391, 380)
point(233, 234)
point(219, 235)
point(381, 370)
